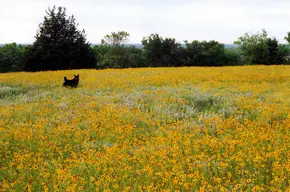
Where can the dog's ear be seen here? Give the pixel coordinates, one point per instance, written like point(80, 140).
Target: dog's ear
point(77, 75)
point(65, 78)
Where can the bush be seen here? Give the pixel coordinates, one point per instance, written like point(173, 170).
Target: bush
point(233, 57)
point(11, 58)
point(284, 52)
point(118, 57)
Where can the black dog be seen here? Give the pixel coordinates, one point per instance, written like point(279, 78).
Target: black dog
point(73, 82)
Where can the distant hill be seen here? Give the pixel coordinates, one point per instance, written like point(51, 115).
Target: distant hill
point(24, 44)
point(227, 46)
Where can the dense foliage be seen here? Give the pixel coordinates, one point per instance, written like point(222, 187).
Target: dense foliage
point(160, 52)
point(59, 44)
point(12, 57)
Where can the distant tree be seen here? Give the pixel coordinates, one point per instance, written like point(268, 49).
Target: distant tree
point(113, 54)
point(152, 46)
point(161, 52)
point(233, 57)
point(287, 38)
point(203, 53)
point(59, 44)
point(254, 47)
point(116, 38)
point(191, 54)
point(284, 51)
point(213, 53)
point(275, 56)
point(12, 58)
point(119, 57)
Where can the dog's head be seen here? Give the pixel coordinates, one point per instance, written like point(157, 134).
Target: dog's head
point(76, 77)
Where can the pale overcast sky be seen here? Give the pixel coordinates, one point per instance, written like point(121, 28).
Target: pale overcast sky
point(221, 20)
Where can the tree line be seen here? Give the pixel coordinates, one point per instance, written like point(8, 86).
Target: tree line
point(60, 45)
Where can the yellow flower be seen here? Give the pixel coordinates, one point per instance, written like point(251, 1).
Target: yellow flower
point(46, 188)
point(116, 186)
point(175, 180)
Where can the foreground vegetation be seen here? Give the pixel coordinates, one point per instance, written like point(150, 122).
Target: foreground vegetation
point(206, 129)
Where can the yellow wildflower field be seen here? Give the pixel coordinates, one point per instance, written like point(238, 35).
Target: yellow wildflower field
point(149, 129)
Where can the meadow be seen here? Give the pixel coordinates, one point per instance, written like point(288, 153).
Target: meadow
point(150, 129)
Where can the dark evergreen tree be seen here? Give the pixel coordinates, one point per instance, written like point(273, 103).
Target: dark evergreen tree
point(160, 52)
point(274, 54)
point(203, 53)
point(59, 44)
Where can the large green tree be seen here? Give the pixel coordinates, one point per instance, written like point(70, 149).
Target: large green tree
point(59, 44)
point(203, 53)
point(254, 47)
point(113, 53)
point(116, 38)
point(275, 54)
point(161, 52)
point(260, 49)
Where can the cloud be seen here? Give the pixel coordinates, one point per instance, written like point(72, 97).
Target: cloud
point(223, 20)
